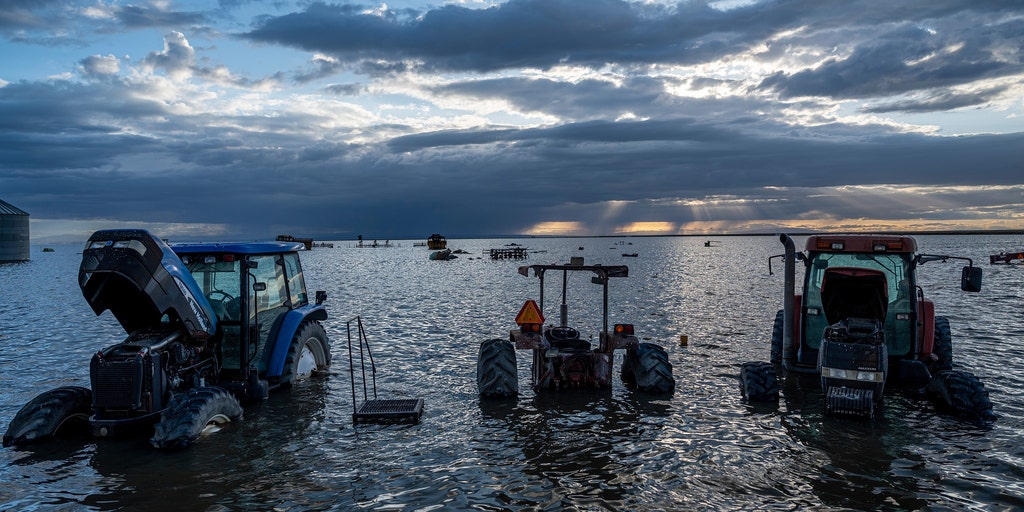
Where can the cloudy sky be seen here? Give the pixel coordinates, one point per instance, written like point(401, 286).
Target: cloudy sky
point(246, 119)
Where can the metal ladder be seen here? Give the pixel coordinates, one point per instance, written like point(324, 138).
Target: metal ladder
point(375, 410)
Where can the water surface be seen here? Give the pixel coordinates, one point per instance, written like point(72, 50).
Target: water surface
point(699, 448)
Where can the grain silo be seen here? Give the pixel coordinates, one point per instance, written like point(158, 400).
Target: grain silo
point(14, 243)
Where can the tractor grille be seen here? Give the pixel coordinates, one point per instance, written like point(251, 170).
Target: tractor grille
point(844, 400)
point(117, 384)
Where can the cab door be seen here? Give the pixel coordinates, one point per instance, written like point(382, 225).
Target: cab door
point(269, 302)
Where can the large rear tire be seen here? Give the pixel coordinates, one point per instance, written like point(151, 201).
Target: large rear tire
point(648, 369)
point(759, 382)
point(963, 394)
point(309, 354)
point(55, 413)
point(192, 413)
point(496, 372)
point(943, 345)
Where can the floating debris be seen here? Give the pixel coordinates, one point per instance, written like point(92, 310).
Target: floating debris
point(511, 253)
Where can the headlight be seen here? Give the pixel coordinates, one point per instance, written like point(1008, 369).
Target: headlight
point(838, 373)
point(870, 376)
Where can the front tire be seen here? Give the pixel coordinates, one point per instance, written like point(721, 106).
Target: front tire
point(648, 369)
point(759, 382)
point(309, 354)
point(496, 372)
point(55, 413)
point(193, 412)
point(963, 394)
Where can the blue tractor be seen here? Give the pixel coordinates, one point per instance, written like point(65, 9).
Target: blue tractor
point(210, 326)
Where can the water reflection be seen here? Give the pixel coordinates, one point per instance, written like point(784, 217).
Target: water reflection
point(579, 448)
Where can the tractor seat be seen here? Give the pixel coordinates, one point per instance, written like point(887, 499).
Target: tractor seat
point(566, 338)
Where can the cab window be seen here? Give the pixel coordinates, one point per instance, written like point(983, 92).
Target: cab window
point(296, 283)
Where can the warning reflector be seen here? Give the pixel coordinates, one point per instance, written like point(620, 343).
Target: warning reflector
point(529, 314)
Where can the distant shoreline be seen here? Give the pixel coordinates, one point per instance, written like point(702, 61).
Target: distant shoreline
point(695, 235)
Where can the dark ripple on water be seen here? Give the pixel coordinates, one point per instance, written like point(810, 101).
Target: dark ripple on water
point(700, 448)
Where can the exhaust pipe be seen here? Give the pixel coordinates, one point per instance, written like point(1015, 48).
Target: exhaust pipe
point(788, 296)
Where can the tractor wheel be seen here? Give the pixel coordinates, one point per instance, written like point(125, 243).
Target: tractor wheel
point(776, 354)
point(309, 354)
point(648, 369)
point(962, 393)
point(943, 345)
point(58, 412)
point(758, 382)
point(190, 414)
point(496, 372)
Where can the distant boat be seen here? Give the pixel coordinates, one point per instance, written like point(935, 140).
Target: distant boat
point(629, 255)
point(1005, 257)
point(308, 242)
point(436, 241)
point(47, 249)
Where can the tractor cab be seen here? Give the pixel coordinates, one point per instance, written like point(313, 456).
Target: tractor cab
point(866, 286)
point(253, 289)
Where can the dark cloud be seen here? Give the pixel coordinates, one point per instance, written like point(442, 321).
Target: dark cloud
point(26, 14)
point(939, 101)
point(884, 49)
point(120, 141)
point(577, 100)
point(519, 33)
point(345, 89)
point(903, 60)
point(136, 17)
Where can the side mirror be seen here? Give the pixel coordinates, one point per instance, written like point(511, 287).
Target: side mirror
point(321, 296)
point(970, 279)
point(259, 287)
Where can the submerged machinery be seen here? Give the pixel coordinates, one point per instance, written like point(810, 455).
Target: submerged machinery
point(863, 325)
point(210, 326)
point(562, 358)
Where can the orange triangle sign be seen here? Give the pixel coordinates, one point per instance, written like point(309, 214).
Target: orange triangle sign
point(529, 314)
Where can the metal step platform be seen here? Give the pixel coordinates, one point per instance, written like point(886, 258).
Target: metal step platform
point(389, 411)
point(406, 410)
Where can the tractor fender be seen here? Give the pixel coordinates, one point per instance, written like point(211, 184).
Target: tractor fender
point(926, 319)
point(286, 331)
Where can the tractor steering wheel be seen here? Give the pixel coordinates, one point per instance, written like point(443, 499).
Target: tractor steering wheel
point(563, 333)
point(226, 296)
point(227, 302)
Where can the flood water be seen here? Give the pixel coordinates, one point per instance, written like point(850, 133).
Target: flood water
point(700, 448)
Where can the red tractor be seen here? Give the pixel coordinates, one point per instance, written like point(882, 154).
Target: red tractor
point(863, 326)
point(562, 359)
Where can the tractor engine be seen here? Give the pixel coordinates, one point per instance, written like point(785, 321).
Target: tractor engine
point(853, 360)
point(134, 379)
point(574, 371)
